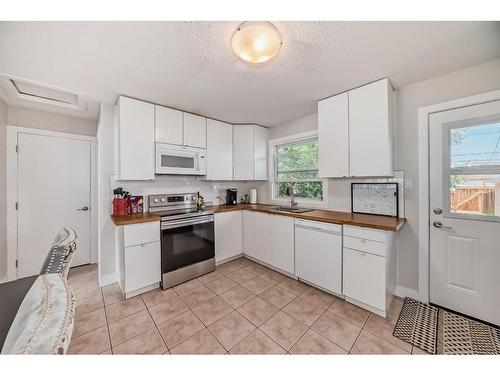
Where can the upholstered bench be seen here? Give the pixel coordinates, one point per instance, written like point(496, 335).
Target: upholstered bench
point(44, 321)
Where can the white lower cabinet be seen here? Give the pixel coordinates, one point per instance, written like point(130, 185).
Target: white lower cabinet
point(269, 239)
point(228, 235)
point(369, 268)
point(248, 239)
point(138, 251)
point(282, 253)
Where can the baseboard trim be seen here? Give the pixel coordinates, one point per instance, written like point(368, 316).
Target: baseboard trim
point(108, 279)
point(403, 292)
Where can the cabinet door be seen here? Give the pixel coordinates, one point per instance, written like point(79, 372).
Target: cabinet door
point(260, 152)
point(168, 125)
point(243, 152)
point(227, 235)
point(142, 266)
point(281, 253)
point(248, 233)
point(195, 131)
point(333, 136)
point(219, 150)
point(136, 133)
point(370, 130)
point(262, 237)
point(364, 277)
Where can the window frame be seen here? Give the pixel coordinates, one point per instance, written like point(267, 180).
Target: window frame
point(448, 170)
point(303, 202)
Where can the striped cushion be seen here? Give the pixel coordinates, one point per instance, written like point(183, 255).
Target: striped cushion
point(59, 257)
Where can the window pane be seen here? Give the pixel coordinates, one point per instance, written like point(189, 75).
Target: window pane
point(297, 157)
point(297, 176)
point(475, 194)
point(475, 146)
point(309, 189)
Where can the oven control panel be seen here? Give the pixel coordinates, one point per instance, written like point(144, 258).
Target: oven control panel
point(172, 201)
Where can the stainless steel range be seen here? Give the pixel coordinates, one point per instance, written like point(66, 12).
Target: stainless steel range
point(187, 237)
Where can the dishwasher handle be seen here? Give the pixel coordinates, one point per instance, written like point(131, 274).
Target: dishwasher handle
point(325, 228)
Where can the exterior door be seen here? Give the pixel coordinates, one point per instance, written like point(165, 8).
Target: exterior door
point(53, 192)
point(465, 210)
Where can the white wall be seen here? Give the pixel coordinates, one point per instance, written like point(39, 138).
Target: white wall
point(17, 116)
point(474, 80)
point(31, 118)
point(3, 191)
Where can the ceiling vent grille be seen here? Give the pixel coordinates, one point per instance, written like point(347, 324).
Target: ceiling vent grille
point(26, 90)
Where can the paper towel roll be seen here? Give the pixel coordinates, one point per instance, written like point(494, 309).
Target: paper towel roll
point(253, 196)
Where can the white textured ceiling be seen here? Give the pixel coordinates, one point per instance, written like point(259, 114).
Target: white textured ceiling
point(189, 65)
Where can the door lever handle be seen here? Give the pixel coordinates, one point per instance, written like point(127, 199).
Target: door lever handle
point(440, 225)
point(85, 208)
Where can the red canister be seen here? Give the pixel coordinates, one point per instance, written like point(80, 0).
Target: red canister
point(119, 206)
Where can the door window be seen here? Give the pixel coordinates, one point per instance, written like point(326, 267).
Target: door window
point(473, 166)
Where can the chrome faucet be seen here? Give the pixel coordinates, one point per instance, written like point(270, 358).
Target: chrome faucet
point(290, 192)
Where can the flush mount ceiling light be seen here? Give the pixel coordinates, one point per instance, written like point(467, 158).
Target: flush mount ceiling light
point(256, 42)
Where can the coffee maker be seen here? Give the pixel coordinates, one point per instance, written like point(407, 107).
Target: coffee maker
point(231, 196)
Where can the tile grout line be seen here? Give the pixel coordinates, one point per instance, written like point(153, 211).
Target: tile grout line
point(310, 327)
point(156, 326)
point(360, 331)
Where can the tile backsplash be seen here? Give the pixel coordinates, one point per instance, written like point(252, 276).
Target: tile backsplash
point(210, 190)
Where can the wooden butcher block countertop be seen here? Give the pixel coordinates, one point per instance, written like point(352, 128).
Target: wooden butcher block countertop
point(336, 217)
point(135, 218)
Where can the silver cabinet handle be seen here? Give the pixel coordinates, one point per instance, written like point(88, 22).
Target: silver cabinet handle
point(84, 208)
point(440, 225)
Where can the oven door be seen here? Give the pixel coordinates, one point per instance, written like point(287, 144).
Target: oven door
point(186, 241)
point(172, 159)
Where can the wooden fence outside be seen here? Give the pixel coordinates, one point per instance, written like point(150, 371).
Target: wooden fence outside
point(473, 199)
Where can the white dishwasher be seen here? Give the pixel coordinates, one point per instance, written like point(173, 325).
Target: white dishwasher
point(318, 254)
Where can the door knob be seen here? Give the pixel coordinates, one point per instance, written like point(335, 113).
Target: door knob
point(440, 225)
point(84, 208)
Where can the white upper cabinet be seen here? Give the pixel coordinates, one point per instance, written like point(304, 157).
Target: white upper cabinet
point(260, 152)
point(355, 132)
point(169, 127)
point(371, 129)
point(195, 130)
point(135, 134)
point(249, 152)
point(243, 150)
point(219, 150)
point(333, 126)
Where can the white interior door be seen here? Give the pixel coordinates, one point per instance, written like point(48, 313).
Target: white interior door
point(53, 191)
point(465, 210)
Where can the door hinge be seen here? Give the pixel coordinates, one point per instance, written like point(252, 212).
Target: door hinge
point(17, 148)
point(17, 263)
point(17, 206)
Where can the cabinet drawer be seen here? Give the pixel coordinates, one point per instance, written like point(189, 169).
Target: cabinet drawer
point(366, 233)
point(142, 266)
point(136, 234)
point(366, 246)
point(364, 278)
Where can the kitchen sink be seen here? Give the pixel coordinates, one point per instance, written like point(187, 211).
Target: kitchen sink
point(291, 209)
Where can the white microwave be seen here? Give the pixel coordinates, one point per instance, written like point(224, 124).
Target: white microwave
point(172, 159)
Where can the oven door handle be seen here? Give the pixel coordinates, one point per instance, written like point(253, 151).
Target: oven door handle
point(184, 223)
